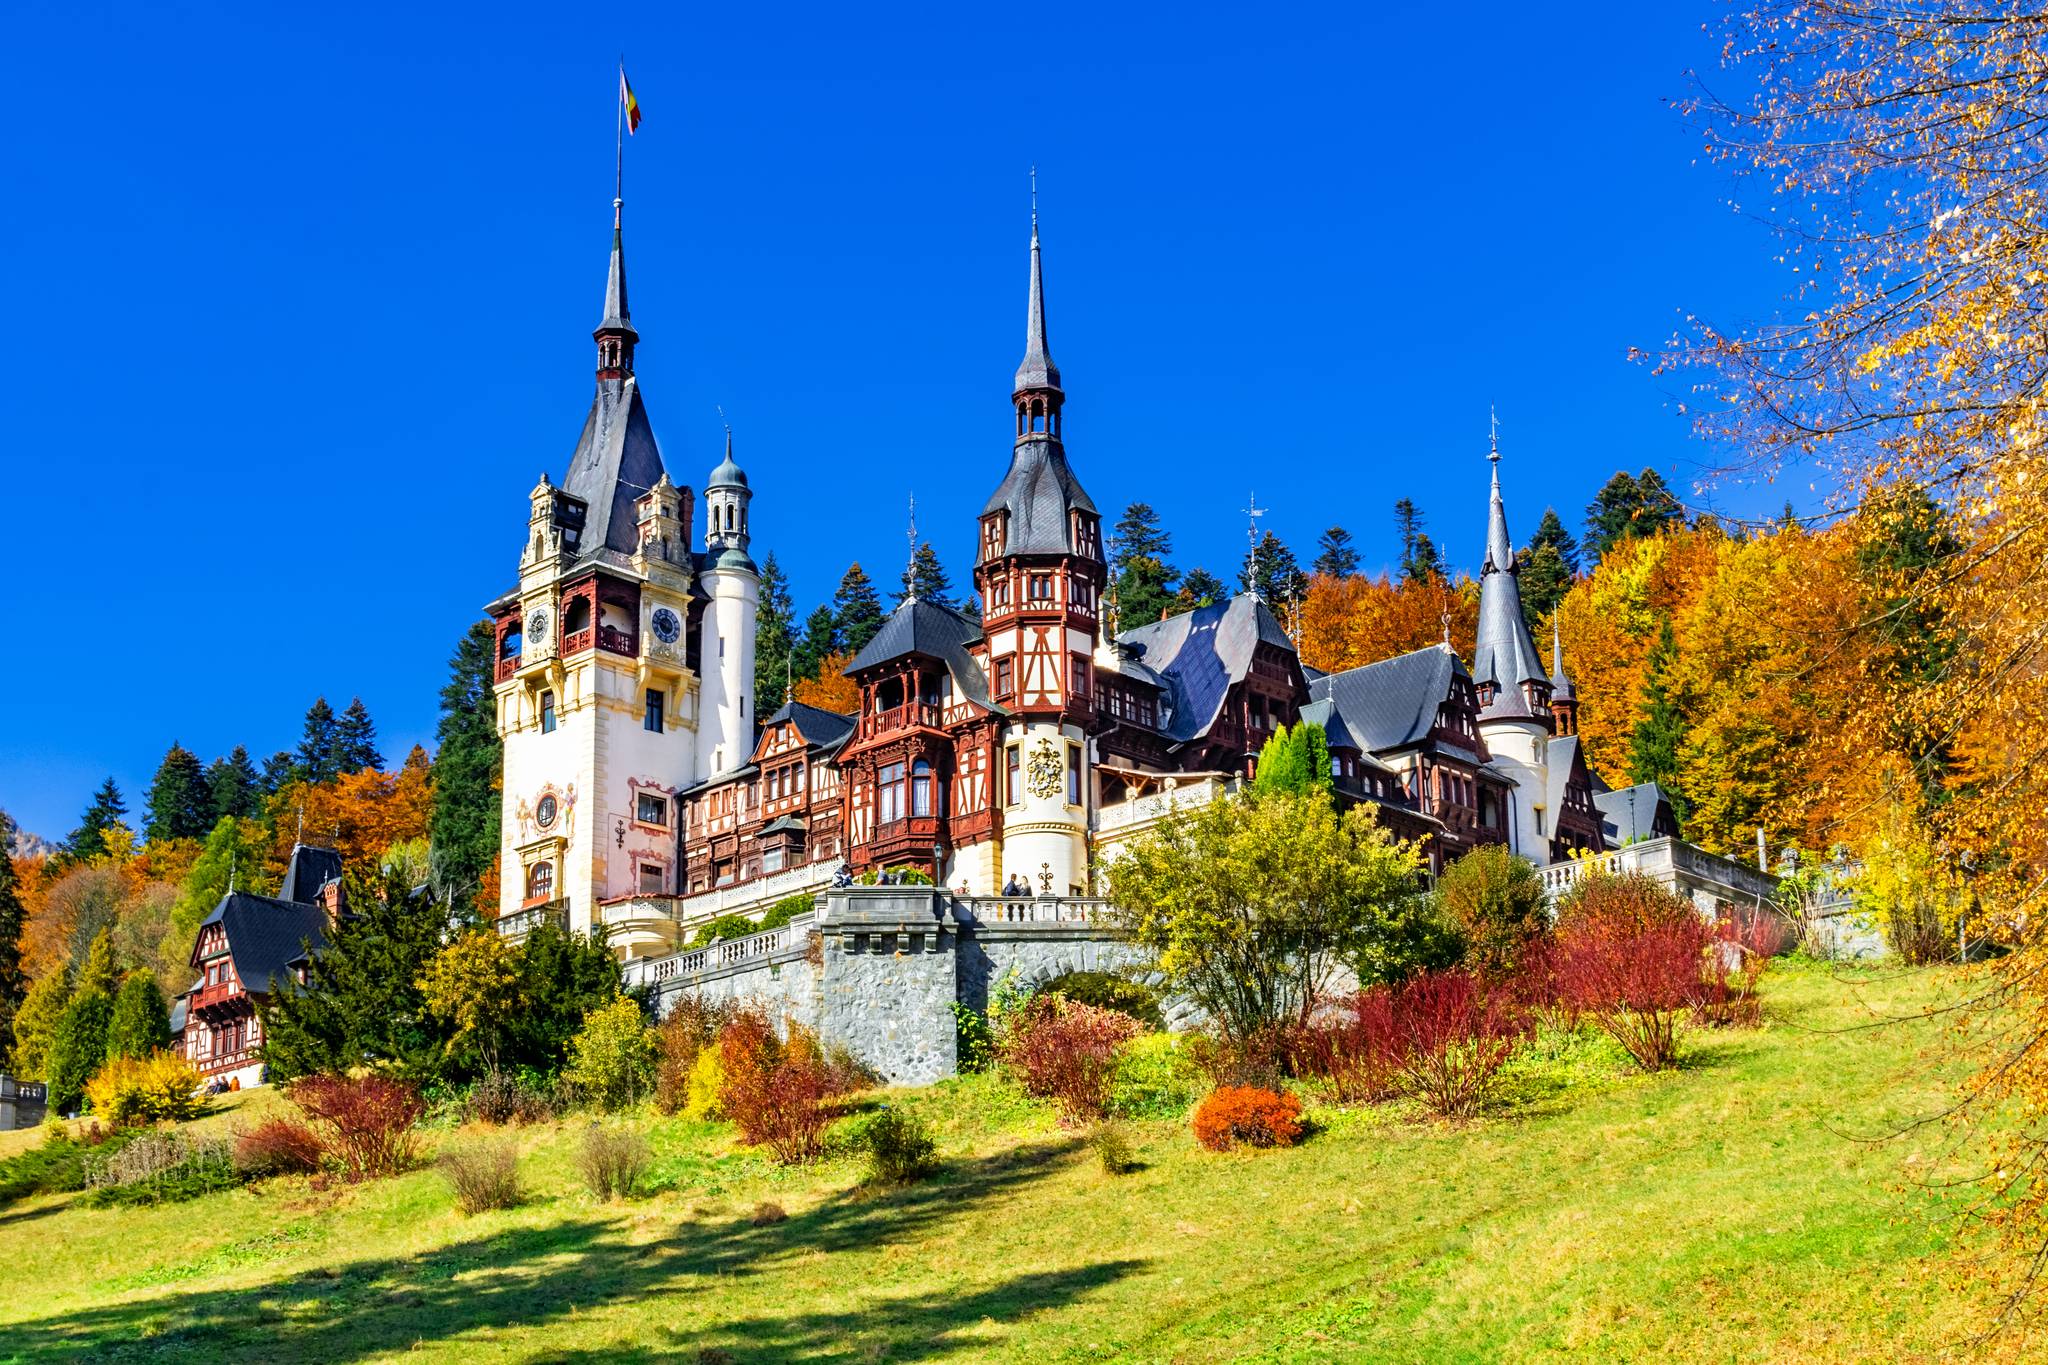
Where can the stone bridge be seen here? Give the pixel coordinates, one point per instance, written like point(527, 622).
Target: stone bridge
point(878, 968)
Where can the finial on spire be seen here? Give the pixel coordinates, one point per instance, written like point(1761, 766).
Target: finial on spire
point(910, 569)
point(1034, 202)
point(1037, 373)
point(1493, 422)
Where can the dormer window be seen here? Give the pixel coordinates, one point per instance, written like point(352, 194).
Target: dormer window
point(993, 536)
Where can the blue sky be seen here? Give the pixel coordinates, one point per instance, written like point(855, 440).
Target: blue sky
point(299, 302)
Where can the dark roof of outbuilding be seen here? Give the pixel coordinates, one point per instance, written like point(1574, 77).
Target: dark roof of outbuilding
point(1631, 813)
point(920, 627)
point(616, 460)
point(1324, 712)
point(814, 723)
point(265, 934)
point(1199, 655)
point(310, 869)
point(1393, 703)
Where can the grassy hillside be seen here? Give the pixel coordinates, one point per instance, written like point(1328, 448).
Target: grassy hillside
point(1708, 1214)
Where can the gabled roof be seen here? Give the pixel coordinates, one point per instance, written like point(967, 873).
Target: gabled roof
point(1199, 655)
point(616, 461)
point(815, 724)
point(1393, 703)
point(264, 935)
point(310, 869)
point(1631, 813)
point(1563, 759)
point(1324, 712)
point(936, 632)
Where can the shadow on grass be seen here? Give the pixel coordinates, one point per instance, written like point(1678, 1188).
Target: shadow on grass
point(30, 1215)
point(545, 1277)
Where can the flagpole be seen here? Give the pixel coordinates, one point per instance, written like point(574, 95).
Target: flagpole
point(619, 182)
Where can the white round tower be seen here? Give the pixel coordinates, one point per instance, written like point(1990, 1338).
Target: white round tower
point(726, 720)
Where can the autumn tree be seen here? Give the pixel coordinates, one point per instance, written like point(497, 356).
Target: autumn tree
point(466, 806)
point(856, 610)
point(178, 805)
point(774, 638)
point(35, 1023)
point(1350, 622)
point(831, 689)
point(472, 990)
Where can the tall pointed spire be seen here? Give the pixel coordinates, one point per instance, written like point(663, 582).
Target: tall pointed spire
point(1037, 373)
point(1505, 655)
point(615, 335)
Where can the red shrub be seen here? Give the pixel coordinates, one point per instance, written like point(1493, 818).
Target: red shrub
point(1352, 1046)
point(1247, 1115)
point(1630, 954)
point(1734, 963)
point(1451, 1037)
point(775, 1089)
point(278, 1147)
point(1066, 1052)
point(1536, 989)
point(368, 1120)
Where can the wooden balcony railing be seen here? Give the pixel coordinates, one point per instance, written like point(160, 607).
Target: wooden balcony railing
point(616, 641)
point(577, 641)
point(507, 666)
point(218, 993)
point(900, 718)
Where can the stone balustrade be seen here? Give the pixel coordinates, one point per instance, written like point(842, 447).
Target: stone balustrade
point(1673, 863)
point(724, 955)
point(1128, 816)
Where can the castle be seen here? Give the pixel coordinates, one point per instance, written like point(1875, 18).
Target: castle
point(1013, 750)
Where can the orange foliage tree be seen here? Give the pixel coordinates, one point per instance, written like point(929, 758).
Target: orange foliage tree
point(359, 814)
point(1352, 621)
point(831, 690)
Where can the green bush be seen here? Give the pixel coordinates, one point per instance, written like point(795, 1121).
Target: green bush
point(611, 1062)
point(900, 1147)
point(1107, 991)
point(905, 876)
point(787, 909)
point(160, 1168)
point(722, 928)
point(974, 1044)
point(1495, 898)
point(1156, 1078)
point(1111, 1143)
point(58, 1165)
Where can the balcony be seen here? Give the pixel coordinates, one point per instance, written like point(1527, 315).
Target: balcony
point(508, 667)
point(906, 717)
point(220, 993)
point(1140, 812)
point(616, 641)
point(1031, 909)
point(788, 941)
point(523, 922)
point(575, 642)
point(1707, 877)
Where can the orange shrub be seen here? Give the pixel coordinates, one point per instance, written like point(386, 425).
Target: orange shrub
point(1248, 1115)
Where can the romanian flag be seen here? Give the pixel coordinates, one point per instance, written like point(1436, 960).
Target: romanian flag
point(632, 106)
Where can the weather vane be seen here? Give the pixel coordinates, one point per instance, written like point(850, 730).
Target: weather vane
point(1251, 531)
point(1493, 424)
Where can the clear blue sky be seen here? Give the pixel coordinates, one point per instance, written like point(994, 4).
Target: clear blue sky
point(298, 303)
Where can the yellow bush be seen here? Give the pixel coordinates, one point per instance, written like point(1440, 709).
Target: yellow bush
point(707, 1079)
point(134, 1090)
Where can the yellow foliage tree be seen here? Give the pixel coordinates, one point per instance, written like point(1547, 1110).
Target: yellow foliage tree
point(831, 690)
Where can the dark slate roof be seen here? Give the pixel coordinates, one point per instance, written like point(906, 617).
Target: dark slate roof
point(1200, 654)
point(265, 934)
point(727, 473)
point(178, 1011)
point(1631, 813)
point(919, 627)
point(1037, 370)
point(814, 723)
point(1561, 760)
point(1040, 493)
point(1393, 703)
point(617, 316)
point(616, 460)
point(1504, 654)
point(1324, 712)
point(784, 824)
point(1560, 682)
point(310, 869)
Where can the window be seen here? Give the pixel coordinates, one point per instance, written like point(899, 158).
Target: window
point(1041, 587)
point(1073, 774)
point(547, 713)
point(999, 592)
point(653, 880)
point(540, 881)
point(771, 859)
point(1013, 788)
point(651, 809)
point(652, 720)
point(1005, 680)
point(889, 793)
point(921, 788)
point(1077, 669)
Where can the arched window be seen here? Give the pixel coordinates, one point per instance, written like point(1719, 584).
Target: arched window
point(921, 788)
point(576, 616)
point(540, 882)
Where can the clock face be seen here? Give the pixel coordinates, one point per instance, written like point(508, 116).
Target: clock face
point(667, 626)
point(544, 813)
point(537, 626)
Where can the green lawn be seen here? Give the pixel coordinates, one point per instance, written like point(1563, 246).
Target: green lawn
point(1712, 1214)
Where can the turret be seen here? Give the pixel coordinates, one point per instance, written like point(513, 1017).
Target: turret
point(725, 733)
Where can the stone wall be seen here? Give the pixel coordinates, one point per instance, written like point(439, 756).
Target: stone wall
point(21, 1103)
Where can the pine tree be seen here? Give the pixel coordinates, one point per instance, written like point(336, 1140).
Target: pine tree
point(925, 578)
point(1294, 760)
point(78, 1045)
point(315, 760)
point(1547, 566)
point(35, 1024)
point(1271, 572)
point(820, 639)
point(1407, 529)
point(468, 769)
point(1337, 558)
point(355, 741)
point(1424, 562)
point(13, 981)
point(774, 638)
point(857, 610)
point(362, 1004)
point(277, 772)
point(1660, 730)
point(1199, 588)
point(178, 805)
point(102, 818)
point(141, 1023)
point(1138, 567)
point(1626, 506)
point(233, 788)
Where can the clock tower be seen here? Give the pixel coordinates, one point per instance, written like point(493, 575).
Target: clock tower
point(1041, 573)
point(618, 658)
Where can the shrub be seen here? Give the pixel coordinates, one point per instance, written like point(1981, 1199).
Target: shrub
point(902, 876)
point(278, 1146)
point(690, 1026)
point(1111, 1143)
point(503, 1097)
point(368, 1120)
point(1629, 954)
point(1258, 1059)
point(776, 1089)
point(767, 1214)
point(1156, 1077)
point(1451, 1036)
point(787, 909)
point(140, 1025)
point(1351, 1046)
point(1065, 1052)
point(1107, 991)
point(611, 1161)
point(131, 1090)
point(707, 1085)
point(1247, 1115)
point(722, 928)
point(160, 1168)
point(1495, 898)
point(1733, 965)
point(611, 1062)
point(974, 1046)
point(484, 1174)
point(900, 1147)
point(58, 1166)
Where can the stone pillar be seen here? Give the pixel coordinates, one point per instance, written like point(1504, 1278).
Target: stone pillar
point(888, 984)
